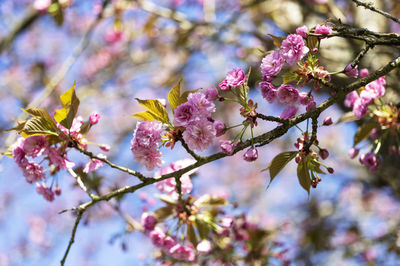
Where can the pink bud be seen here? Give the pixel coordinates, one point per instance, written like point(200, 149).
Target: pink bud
point(148, 221)
point(57, 191)
point(94, 118)
point(364, 72)
point(323, 153)
point(328, 121)
point(351, 71)
point(330, 170)
point(353, 152)
point(211, 94)
point(105, 147)
point(219, 127)
point(226, 146)
point(251, 155)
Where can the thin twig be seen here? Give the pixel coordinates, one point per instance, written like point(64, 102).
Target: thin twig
point(81, 184)
point(191, 152)
point(113, 165)
point(371, 7)
point(72, 239)
point(361, 54)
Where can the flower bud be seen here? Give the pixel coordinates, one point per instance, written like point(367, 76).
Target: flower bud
point(323, 153)
point(105, 147)
point(251, 155)
point(353, 152)
point(330, 170)
point(226, 146)
point(211, 94)
point(94, 118)
point(327, 121)
point(57, 191)
point(148, 221)
point(351, 71)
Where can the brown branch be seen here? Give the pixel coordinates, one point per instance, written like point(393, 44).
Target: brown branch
point(371, 7)
point(81, 184)
point(192, 153)
point(72, 239)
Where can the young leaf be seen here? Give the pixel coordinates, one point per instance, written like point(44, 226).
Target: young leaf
point(70, 104)
point(37, 126)
point(277, 40)
point(347, 117)
point(303, 175)
point(174, 96)
point(145, 116)
point(156, 109)
point(162, 213)
point(279, 162)
point(191, 235)
point(202, 228)
point(363, 132)
point(312, 42)
point(55, 10)
point(289, 77)
point(207, 200)
point(40, 112)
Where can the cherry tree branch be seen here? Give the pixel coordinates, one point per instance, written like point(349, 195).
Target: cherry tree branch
point(72, 239)
point(371, 7)
point(81, 184)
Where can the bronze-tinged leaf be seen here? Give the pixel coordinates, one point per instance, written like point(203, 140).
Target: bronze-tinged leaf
point(174, 96)
point(162, 213)
point(156, 109)
point(85, 127)
point(55, 10)
point(279, 162)
point(191, 235)
point(37, 126)
point(277, 40)
point(20, 125)
point(289, 77)
point(70, 104)
point(202, 228)
point(40, 112)
point(166, 199)
point(146, 115)
point(363, 132)
point(303, 175)
point(347, 117)
point(207, 200)
point(312, 42)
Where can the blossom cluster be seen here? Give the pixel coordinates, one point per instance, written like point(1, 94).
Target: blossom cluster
point(360, 101)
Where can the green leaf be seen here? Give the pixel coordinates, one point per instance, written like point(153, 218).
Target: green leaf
point(363, 132)
point(146, 115)
point(289, 77)
point(162, 213)
point(40, 112)
point(55, 10)
point(303, 175)
point(156, 109)
point(174, 96)
point(202, 228)
point(191, 235)
point(312, 42)
point(347, 117)
point(37, 126)
point(277, 40)
point(70, 104)
point(279, 162)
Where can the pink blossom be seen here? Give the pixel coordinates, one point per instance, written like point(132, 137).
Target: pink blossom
point(227, 222)
point(19, 153)
point(181, 252)
point(327, 121)
point(305, 98)
point(113, 36)
point(351, 97)
point(311, 105)
point(169, 242)
point(374, 89)
point(235, 77)
point(46, 192)
point(353, 152)
point(94, 118)
point(219, 128)
point(272, 64)
point(224, 85)
point(211, 94)
point(226, 146)
point(34, 146)
point(287, 94)
point(59, 161)
point(199, 136)
point(105, 147)
point(150, 158)
point(323, 29)
point(184, 114)
point(293, 49)
point(157, 237)
point(148, 221)
point(268, 91)
point(41, 5)
point(168, 186)
point(364, 72)
point(250, 155)
point(370, 161)
point(351, 71)
point(302, 31)
point(200, 101)
point(204, 246)
point(94, 164)
point(360, 107)
point(289, 112)
point(33, 172)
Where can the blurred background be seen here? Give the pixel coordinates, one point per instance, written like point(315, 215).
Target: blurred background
point(120, 50)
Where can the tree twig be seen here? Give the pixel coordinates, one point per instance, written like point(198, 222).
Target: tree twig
point(72, 239)
point(371, 7)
